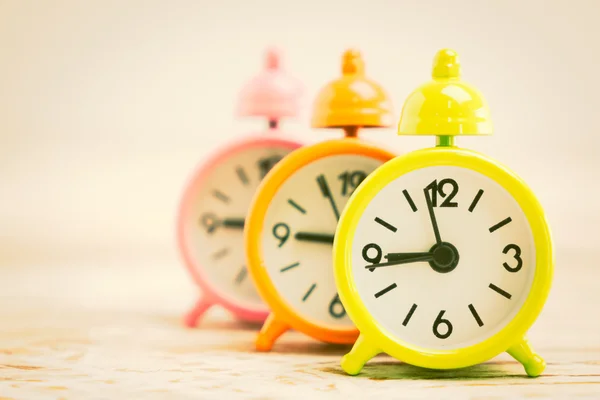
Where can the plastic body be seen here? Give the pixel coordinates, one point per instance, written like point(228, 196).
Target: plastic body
point(211, 295)
point(271, 94)
point(352, 100)
point(375, 339)
point(349, 102)
point(283, 317)
point(445, 106)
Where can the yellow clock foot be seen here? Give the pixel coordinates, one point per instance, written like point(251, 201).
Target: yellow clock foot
point(193, 316)
point(271, 330)
point(535, 366)
point(523, 353)
point(352, 365)
point(362, 351)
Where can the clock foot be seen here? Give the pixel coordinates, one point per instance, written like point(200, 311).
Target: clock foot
point(193, 316)
point(523, 353)
point(362, 351)
point(271, 330)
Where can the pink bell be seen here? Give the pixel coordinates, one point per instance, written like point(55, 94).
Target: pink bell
point(273, 93)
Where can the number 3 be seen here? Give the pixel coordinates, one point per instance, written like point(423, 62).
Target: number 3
point(517, 257)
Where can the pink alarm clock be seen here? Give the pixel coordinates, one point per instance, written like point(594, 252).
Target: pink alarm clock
point(215, 202)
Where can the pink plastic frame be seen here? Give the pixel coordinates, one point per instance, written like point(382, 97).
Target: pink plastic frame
point(211, 295)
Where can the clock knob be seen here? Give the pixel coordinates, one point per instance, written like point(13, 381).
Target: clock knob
point(352, 101)
point(273, 93)
point(446, 106)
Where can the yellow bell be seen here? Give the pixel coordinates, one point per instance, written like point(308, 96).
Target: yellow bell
point(446, 106)
point(352, 100)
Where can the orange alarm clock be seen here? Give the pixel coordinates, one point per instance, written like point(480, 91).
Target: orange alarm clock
point(292, 220)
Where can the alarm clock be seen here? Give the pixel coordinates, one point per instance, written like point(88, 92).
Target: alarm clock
point(293, 216)
point(443, 257)
point(215, 202)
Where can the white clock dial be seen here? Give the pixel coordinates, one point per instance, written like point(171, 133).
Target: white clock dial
point(466, 282)
point(298, 233)
point(214, 233)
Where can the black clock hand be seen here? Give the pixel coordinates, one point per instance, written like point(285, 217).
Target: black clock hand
point(211, 222)
point(322, 182)
point(402, 258)
point(314, 237)
point(408, 256)
point(436, 230)
point(233, 223)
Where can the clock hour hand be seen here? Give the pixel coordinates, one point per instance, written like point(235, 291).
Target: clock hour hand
point(211, 222)
point(436, 229)
point(326, 192)
point(402, 258)
point(233, 223)
point(314, 237)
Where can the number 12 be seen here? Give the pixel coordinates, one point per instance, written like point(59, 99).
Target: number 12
point(436, 188)
point(352, 179)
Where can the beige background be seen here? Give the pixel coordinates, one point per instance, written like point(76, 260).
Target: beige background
point(107, 106)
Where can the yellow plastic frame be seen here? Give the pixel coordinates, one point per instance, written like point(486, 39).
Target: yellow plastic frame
point(374, 338)
point(283, 316)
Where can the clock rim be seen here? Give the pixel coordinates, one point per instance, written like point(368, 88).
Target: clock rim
point(263, 197)
point(211, 291)
point(510, 334)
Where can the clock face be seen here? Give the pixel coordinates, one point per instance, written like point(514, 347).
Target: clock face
point(298, 232)
point(214, 229)
point(443, 257)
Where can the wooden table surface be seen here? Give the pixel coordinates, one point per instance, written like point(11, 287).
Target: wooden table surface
point(84, 330)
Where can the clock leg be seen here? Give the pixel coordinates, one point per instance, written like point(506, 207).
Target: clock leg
point(362, 351)
point(523, 353)
point(193, 316)
point(270, 331)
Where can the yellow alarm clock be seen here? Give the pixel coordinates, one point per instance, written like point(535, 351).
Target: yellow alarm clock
point(443, 257)
point(294, 213)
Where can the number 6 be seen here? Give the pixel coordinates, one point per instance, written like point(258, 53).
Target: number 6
point(336, 303)
point(439, 321)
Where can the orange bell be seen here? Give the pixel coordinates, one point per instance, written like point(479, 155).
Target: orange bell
point(353, 100)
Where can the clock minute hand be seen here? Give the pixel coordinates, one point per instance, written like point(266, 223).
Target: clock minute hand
point(324, 238)
point(436, 229)
point(322, 182)
point(402, 258)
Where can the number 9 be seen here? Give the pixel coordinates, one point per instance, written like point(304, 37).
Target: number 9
point(372, 260)
point(210, 222)
point(282, 236)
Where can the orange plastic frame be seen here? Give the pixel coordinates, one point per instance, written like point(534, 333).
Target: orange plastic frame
point(283, 317)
